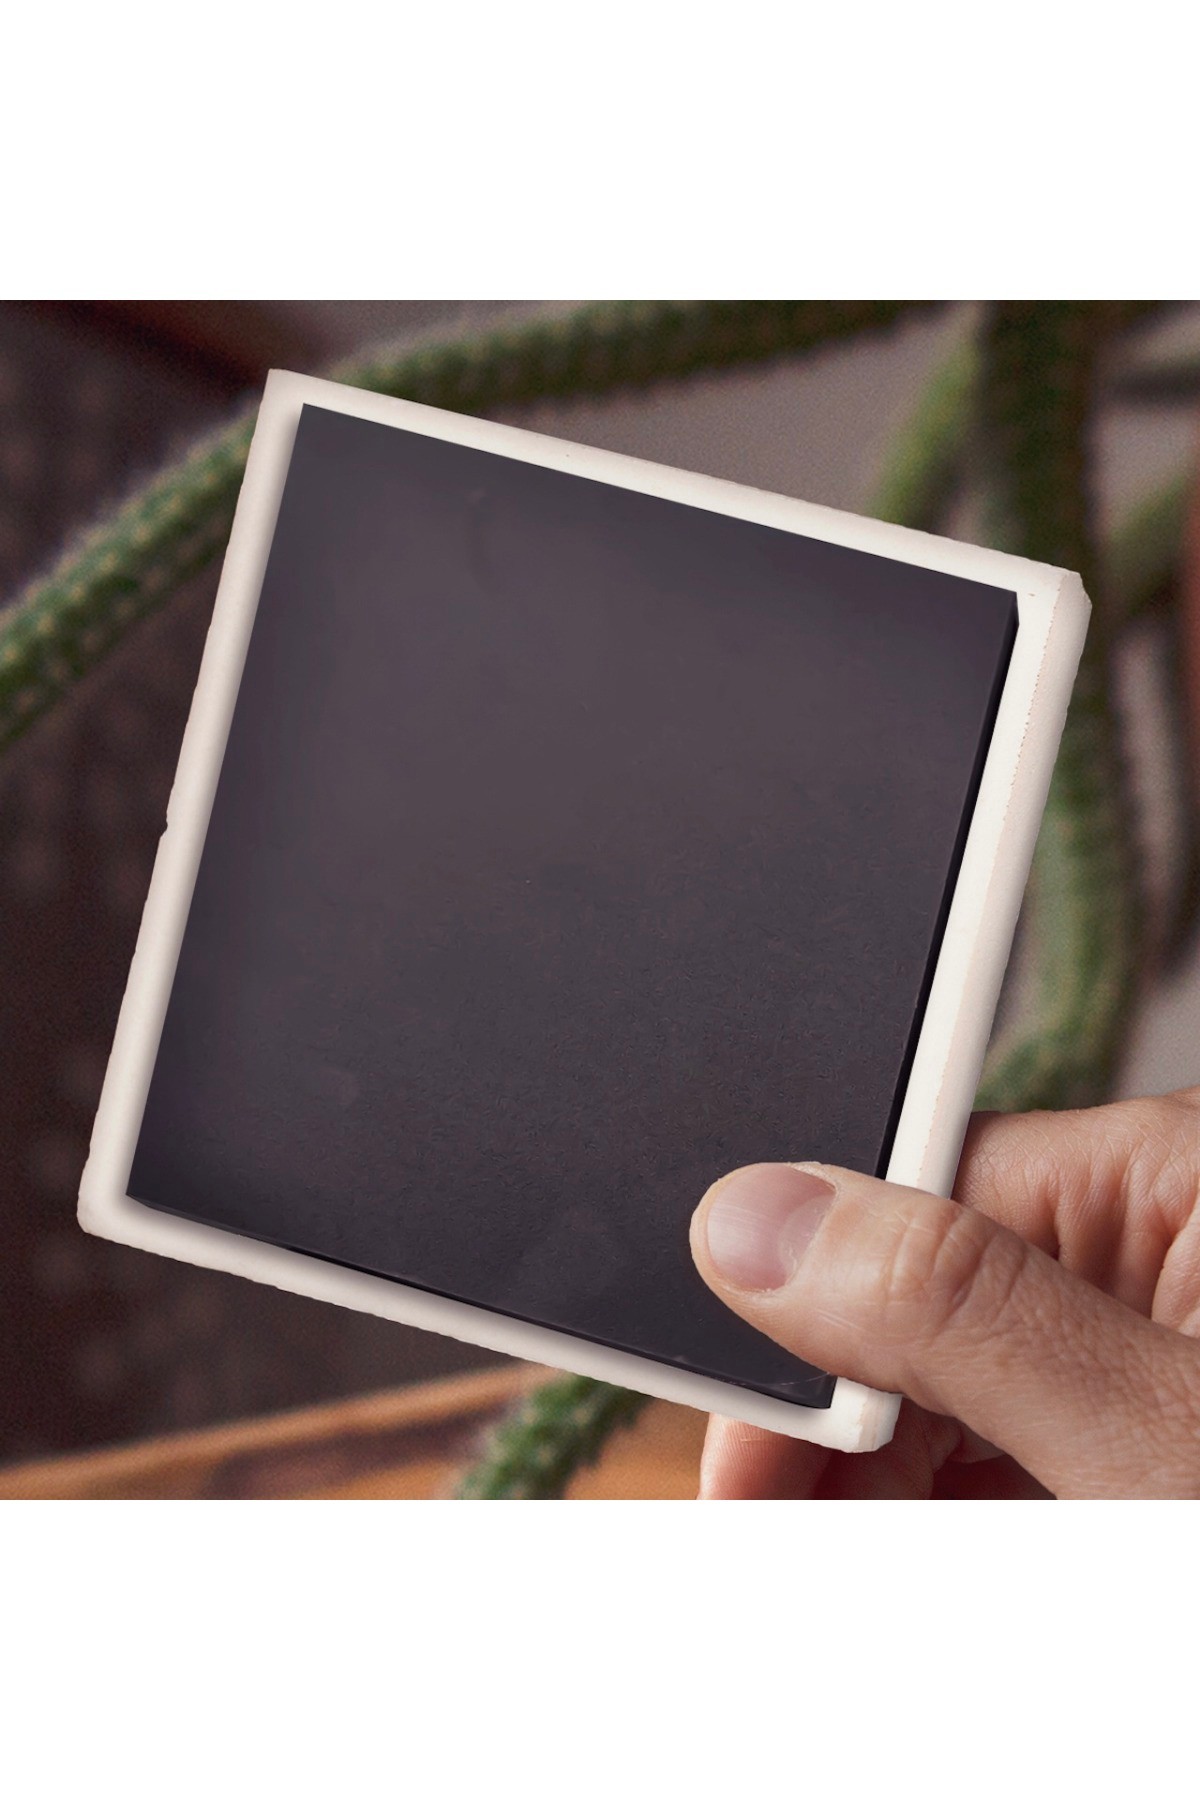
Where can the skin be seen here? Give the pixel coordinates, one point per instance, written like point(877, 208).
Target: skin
point(1043, 1326)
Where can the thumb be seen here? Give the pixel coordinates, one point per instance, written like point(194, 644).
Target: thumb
point(918, 1295)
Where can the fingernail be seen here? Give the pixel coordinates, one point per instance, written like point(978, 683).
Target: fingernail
point(761, 1221)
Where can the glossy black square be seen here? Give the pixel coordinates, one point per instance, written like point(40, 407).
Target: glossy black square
point(571, 847)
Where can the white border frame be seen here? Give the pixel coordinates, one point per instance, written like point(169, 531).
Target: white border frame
point(1052, 622)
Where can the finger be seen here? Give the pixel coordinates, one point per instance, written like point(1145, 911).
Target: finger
point(904, 1469)
point(1002, 1479)
point(1106, 1191)
point(744, 1462)
point(917, 1295)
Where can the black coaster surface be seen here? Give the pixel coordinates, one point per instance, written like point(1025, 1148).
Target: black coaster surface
point(571, 847)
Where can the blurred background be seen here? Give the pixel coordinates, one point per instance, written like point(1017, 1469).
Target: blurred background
point(103, 1346)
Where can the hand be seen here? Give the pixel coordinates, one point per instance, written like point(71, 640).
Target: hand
point(1043, 1327)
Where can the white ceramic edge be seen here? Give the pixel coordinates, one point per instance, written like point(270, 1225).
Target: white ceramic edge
point(1053, 615)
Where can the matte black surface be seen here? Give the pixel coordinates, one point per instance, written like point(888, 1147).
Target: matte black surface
point(571, 847)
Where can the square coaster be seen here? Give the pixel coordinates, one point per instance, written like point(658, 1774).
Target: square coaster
point(553, 833)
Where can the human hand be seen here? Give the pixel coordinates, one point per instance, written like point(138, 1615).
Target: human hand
point(1042, 1328)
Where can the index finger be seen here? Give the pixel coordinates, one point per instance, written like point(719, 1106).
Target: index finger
point(744, 1462)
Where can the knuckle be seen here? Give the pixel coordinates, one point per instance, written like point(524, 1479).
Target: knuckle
point(950, 1270)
